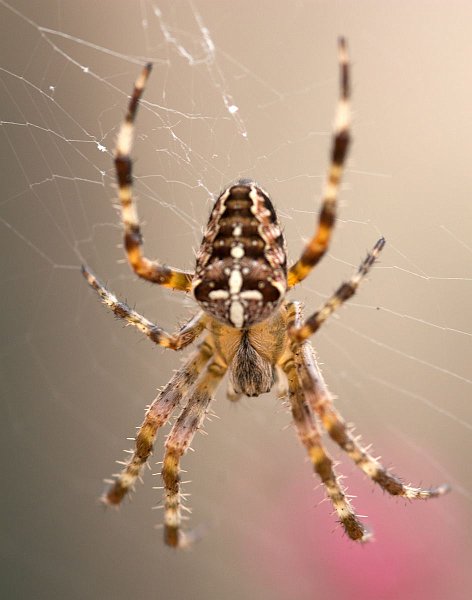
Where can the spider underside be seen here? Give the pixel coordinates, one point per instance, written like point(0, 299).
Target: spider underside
point(248, 327)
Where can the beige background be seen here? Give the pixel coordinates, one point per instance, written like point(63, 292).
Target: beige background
point(75, 383)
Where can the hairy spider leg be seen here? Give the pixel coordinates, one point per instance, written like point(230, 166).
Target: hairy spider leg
point(318, 245)
point(321, 402)
point(310, 437)
point(178, 442)
point(175, 341)
point(157, 415)
point(133, 239)
point(345, 291)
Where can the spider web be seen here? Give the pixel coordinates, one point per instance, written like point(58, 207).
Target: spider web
point(238, 90)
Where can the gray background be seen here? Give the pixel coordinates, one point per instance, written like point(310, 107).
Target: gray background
point(75, 383)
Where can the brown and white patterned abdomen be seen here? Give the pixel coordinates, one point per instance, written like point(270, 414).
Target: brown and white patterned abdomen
point(241, 271)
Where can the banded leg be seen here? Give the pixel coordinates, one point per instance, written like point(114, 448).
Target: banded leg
point(343, 293)
point(321, 402)
point(133, 239)
point(157, 415)
point(318, 245)
point(309, 436)
point(176, 341)
point(177, 443)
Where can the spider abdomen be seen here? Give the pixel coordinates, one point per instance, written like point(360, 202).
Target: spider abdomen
point(241, 271)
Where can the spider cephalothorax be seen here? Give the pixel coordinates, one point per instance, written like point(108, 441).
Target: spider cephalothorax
point(249, 328)
point(241, 272)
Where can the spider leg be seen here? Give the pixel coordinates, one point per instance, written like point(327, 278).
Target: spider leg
point(309, 435)
point(175, 341)
point(345, 291)
point(321, 403)
point(318, 245)
point(133, 239)
point(177, 443)
point(157, 415)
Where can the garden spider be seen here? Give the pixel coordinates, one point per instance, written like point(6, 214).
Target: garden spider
point(250, 329)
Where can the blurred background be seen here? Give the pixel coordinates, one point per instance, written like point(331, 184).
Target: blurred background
point(239, 89)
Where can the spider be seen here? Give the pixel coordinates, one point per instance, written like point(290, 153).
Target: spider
point(250, 329)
